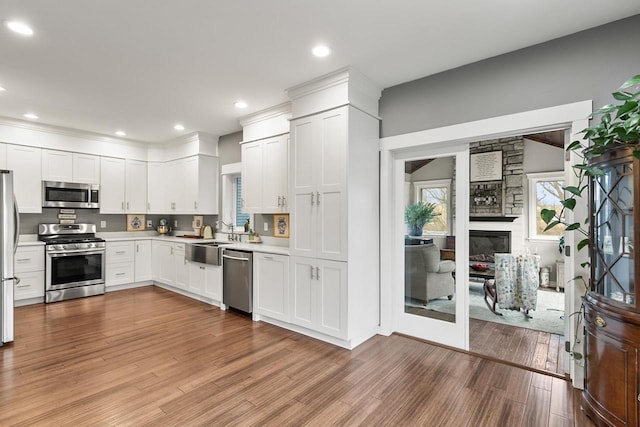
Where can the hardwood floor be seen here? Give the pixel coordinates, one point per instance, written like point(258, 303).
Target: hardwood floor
point(535, 349)
point(150, 357)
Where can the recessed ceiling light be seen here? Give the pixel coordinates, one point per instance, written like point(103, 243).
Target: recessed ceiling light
point(121, 133)
point(2, 89)
point(178, 127)
point(240, 104)
point(20, 28)
point(30, 116)
point(321, 51)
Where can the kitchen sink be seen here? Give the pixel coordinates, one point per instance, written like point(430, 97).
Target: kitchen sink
point(206, 253)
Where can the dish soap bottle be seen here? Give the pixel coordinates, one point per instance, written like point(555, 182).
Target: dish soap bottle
point(246, 226)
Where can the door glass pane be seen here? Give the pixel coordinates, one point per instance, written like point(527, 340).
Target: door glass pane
point(429, 246)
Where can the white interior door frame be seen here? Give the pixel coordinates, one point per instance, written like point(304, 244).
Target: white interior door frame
point(573, 116)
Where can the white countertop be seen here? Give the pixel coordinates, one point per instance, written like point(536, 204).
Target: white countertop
point(32, 240)
point(152, 235)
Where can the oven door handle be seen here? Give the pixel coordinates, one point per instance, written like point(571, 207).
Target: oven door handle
point(75, 252)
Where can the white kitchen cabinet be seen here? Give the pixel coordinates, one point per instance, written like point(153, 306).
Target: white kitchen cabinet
point(319, 295)
point(135, 186)
point(205, 280)
point(164, 266)
point(3, 155)
point(112, 185)
point(251, 154)
point(182, 268)
point(123, 186)
point(271, 285)
point(57, 166)
point(120, 263)
point(142, 260)
point(157, 188)
point(70, 167)
point(265, 175)
point(319, 185)
point(193, 188)
point(26, 163)
point(86, 168)
point(29, 268)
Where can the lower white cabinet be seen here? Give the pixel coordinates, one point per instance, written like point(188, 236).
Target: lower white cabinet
point(318, 295)
point(164, 269)
point(29, 268)
point(182, 268)
point(142, 260)
point(128, 262)
point(271, 285)
point(205, 280)
point(120, 263)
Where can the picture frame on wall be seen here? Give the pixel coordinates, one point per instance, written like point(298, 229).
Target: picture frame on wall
point(485, 166)
point(136, 222)
point(281, 225)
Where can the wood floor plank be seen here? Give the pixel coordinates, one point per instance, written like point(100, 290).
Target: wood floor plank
point(149, 357)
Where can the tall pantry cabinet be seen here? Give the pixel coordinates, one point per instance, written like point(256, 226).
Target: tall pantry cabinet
point(334, 205)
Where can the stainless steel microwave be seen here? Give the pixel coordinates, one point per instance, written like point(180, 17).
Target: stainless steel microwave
point(70, 195)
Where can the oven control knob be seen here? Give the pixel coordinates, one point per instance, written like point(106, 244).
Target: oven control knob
point(59, 247)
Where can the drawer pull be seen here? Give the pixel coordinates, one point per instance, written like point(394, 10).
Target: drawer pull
point(600, 322)
point(23, 260)
point(121, 252)
point(120, 274)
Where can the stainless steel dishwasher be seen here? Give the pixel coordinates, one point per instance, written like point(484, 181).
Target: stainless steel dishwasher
point(237, 279)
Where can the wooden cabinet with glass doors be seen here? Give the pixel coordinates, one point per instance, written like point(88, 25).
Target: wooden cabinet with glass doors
point(612, 309)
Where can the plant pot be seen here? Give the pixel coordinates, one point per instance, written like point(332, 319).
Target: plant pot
point(415, 230)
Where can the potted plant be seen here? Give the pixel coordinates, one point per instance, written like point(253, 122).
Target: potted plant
point(419, 214)
point(619, 126)
point(617, 129)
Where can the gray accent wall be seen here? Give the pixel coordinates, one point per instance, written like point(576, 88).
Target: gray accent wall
point(229, 148)
point(586, 65)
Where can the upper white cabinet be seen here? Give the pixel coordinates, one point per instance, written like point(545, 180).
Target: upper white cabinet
point(135, 186)
point(123, 186)
point(70, 167)
point(157, 188)
point(319, 185)
point(112, 183)
point(193, 185)
point(265, 175)
point(86, 168)
point(26, 163)
point(57, 165)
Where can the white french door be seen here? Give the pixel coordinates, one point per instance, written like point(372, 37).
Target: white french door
point(416, 311)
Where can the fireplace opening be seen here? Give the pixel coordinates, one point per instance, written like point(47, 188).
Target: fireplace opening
point(483, 245)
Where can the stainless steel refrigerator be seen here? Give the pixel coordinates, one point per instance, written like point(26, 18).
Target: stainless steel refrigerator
point(9, 226)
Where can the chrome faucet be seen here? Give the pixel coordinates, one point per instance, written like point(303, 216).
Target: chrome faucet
point(231, 236)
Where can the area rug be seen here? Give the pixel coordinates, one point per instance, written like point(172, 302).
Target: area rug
point(548, 316)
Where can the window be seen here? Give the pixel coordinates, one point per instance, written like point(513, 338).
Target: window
point(240, 217)
point(438, 193)
point(545, 192)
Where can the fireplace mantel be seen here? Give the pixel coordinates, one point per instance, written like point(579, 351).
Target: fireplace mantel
point(492, 218)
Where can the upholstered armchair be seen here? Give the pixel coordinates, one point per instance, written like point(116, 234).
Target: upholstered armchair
point(425, 276)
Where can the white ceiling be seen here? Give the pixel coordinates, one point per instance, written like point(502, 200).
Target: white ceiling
point(143, 66)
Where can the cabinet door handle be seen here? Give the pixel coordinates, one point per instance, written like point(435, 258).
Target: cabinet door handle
point(201, 268)
point(120, 252)
point(311, 267)
point(120, 274)
point(195, 205)
point(268, 257)
point(312, 203)
point(138, 248)
point(318, 197)
point(317, 273)
point(279, 201)
point(148, 206)
point(127, 205)
point(23, 260)
point(122, 205)
point(284, 201)
point(171, 251)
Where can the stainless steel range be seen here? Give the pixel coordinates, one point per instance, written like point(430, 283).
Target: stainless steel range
point(75, 261)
